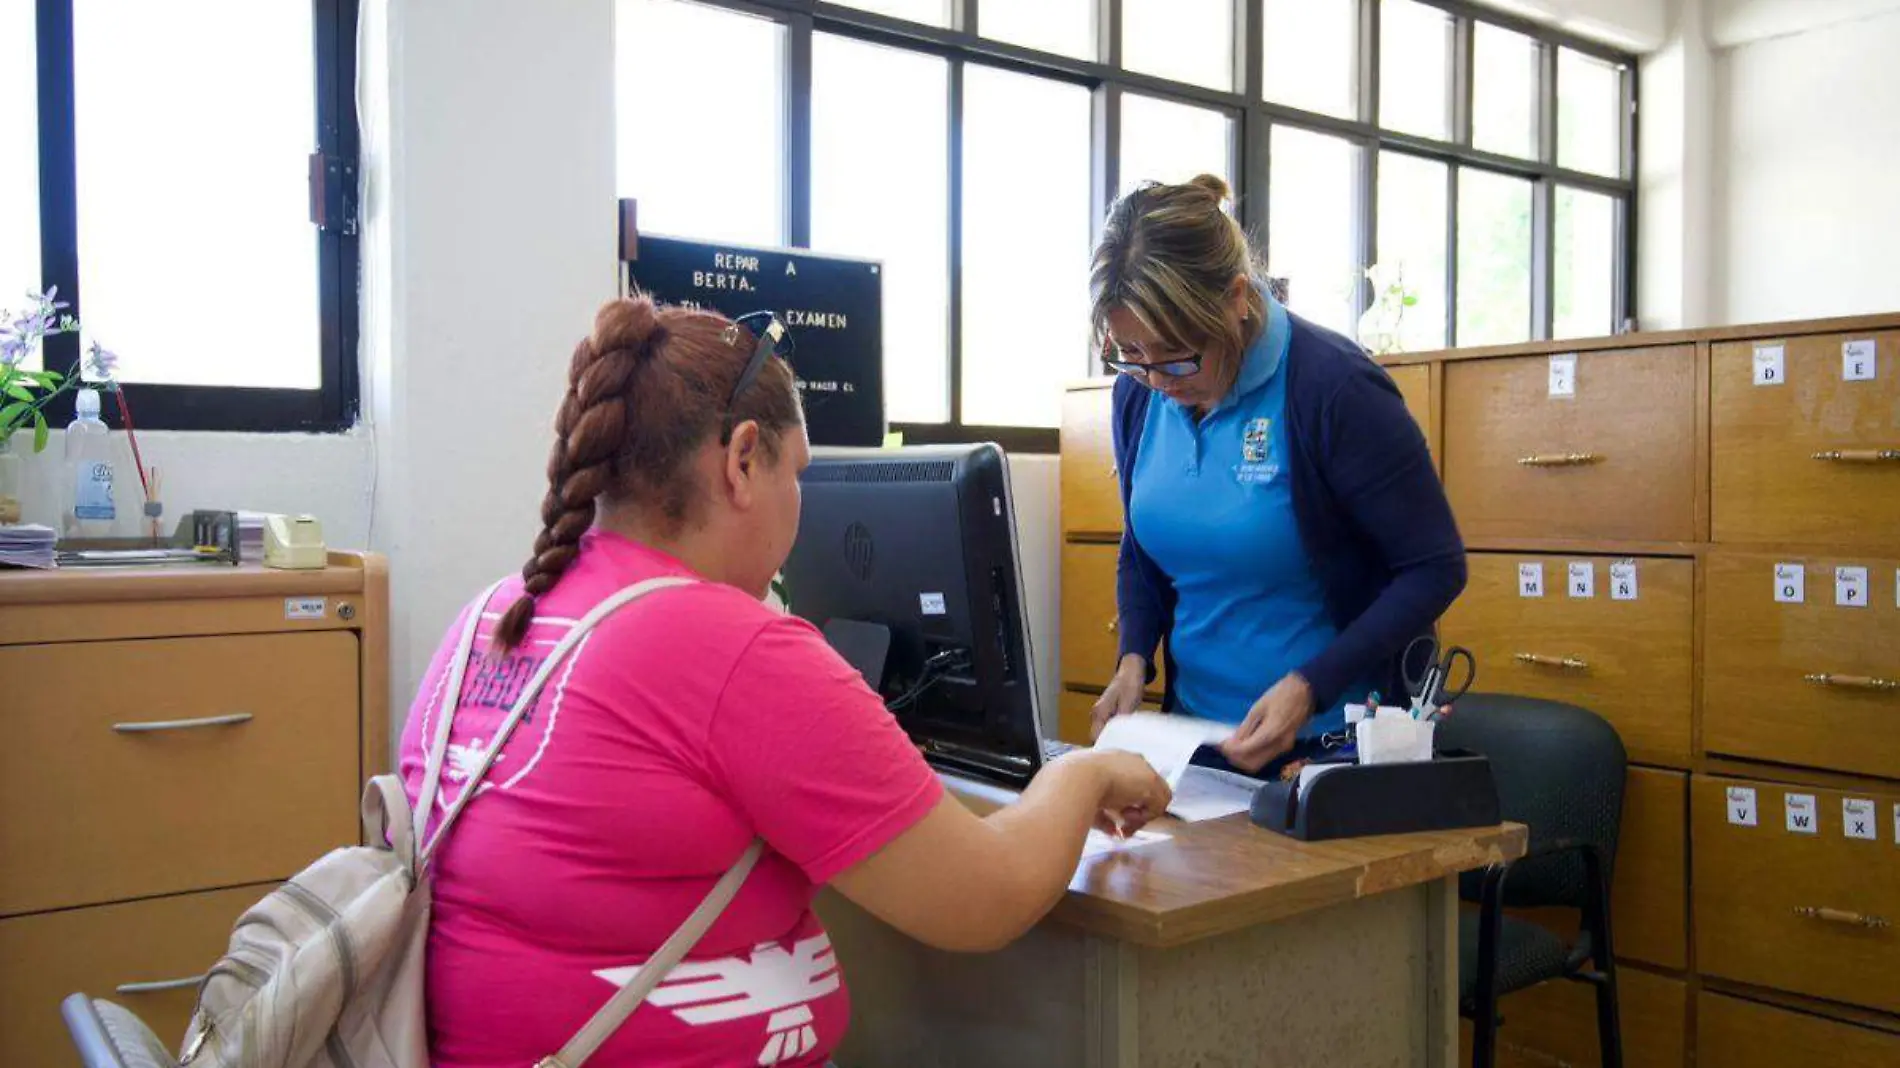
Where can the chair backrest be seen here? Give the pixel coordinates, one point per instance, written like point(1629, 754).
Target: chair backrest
point(1559, 771)
point(107, 1036)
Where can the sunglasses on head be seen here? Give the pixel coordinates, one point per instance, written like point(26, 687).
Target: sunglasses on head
point(773, 340)
point(1176, 368)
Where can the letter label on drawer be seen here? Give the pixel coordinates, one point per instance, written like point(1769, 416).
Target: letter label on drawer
point(1530, 580)
point(1741, 806)
point(1850, 587)
point(1857, 360)
point(1563, 375)
point(1623, 580)
point(1771, 367)
point(1583, 579)
point(1791, 583)
point(1857, 818)
point(1801, 814)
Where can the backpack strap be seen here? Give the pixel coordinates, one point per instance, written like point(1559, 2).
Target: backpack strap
point(451, 700)
point(628, 998)
point(523, 703)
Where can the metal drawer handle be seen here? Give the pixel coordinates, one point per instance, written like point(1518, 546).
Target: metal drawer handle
point(1559, 459)
point(161, 986)
point(1859, 456)
point(1114, 625)
point(1567, 663)
point(1841, 916)
point(156, 725)
point(1855, 682)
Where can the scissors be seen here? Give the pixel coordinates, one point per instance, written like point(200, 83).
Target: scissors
point(1432, 688)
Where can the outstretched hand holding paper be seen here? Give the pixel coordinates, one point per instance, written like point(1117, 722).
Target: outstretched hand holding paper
point(1168, 743)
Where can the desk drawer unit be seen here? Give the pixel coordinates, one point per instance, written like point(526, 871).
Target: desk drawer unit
point(1615, 459)
point(145, 955)
point(1091, 490)
point(1628, 660)
point(1415, 385)
point(1091, 628)
point(1807, 899)
point(1813, 453)
point(1803, 661)
point(1733, 1033)
point(1555, 1023)
point(156, 767)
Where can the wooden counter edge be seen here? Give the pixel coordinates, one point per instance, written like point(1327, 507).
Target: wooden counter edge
point(345, 574)
point(1656, 338)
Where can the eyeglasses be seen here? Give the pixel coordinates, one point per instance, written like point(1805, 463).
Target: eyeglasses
point(1141, 372)
point(774, 340)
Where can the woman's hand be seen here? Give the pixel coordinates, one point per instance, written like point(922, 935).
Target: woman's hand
point(1271, 725)
point(1132, 793)
point(1123, 694)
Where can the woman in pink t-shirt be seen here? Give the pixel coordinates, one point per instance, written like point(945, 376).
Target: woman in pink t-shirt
point(685, 726)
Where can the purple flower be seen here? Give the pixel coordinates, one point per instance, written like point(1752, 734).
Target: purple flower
point(102, 365)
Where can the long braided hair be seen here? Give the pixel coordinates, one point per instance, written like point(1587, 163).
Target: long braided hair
point(645, 391)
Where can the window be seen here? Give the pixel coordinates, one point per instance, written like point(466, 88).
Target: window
point(1585, 252)
point(1504, 92)
point(972, 157)
point(1181, 40)
point(1026, 215)
point(1415, 69)
point(1494, 258)
point(1412, 244)
point(1164, 141)
point(880, 189)
point(1065, 27)
point(132, 114)
point(1311, 52)
point(1589, 113)
point(661, 45)
point(1314, 219)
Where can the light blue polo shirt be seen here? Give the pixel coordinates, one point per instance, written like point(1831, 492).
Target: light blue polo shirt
point(1213, 505)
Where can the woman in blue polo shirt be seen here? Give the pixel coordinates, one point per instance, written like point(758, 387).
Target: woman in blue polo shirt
point(1285, 534)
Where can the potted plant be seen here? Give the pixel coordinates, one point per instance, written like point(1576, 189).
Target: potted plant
point(25, 393)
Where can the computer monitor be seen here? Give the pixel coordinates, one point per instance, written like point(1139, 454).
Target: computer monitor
point(912, 552)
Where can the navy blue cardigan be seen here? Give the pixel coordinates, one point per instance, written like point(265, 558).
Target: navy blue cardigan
point(1369, 507)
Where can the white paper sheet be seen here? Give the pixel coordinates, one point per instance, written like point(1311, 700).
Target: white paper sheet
point(1205, 794)
point(1166, 742)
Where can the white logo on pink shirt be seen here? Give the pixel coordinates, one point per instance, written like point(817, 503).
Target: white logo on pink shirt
point(769, 980)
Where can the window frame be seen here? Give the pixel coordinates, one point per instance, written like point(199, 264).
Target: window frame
point(961, 43)
point(331, 407)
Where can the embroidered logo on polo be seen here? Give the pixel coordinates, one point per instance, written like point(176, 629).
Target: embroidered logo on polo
point(1257, 464)
point(771, 981)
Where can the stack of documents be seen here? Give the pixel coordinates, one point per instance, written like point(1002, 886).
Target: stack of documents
point(26, 546)
point(1169, 743)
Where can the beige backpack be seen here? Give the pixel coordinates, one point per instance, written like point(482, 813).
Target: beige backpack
point(327, 972)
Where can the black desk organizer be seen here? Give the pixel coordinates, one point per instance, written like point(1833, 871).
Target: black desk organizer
point(1454, 790)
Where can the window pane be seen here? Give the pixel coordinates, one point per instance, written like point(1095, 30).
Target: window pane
point(1494, 258)
point(1412, 223)
point(1025, 245)
point(666, 152)
point(880, 189)
point(1584, 245)
point(1589, 113)
point(1415, 69)
point(1312, 54)
point(1313, 225)
point(1167, 142)
point(19, 178)
point(1504, 91)
point(1186, 40)
point(1065, 27)
point(935, 12)
point(233, 300)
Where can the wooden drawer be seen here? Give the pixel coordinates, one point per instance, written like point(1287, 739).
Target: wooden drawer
point(96, 951)
point(1752, 885)
point(1555, 1023)
point(1415, 385)
point(1630, 662)
point(1633, 417)
point(1732, 1033)
point(1766, 486)
point(1761, 695)
point(1091, 490)
point(107, 815)
point(1091, 636)
point(1075, 715)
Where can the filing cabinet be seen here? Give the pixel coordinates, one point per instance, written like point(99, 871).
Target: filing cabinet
point(1091, 489)
point(1415, 385)
point(1554, 1023)
point(1733, 1033)
point(1091, 637)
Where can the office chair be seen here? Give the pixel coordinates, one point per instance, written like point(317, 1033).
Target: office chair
point(107, 1036)
point(1559, 771)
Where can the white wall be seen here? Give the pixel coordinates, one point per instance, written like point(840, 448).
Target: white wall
point(1676, 175)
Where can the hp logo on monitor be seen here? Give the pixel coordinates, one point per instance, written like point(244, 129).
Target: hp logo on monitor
point(859, 553)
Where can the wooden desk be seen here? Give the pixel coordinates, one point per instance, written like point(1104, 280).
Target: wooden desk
point(1224, 945)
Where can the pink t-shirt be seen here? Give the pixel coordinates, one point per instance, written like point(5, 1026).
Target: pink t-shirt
point(685, 725)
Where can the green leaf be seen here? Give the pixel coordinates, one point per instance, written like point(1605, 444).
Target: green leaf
point(46, 379)
point(1410, 300)
point(40, 431)
point(19, 392)
point(11, 412)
